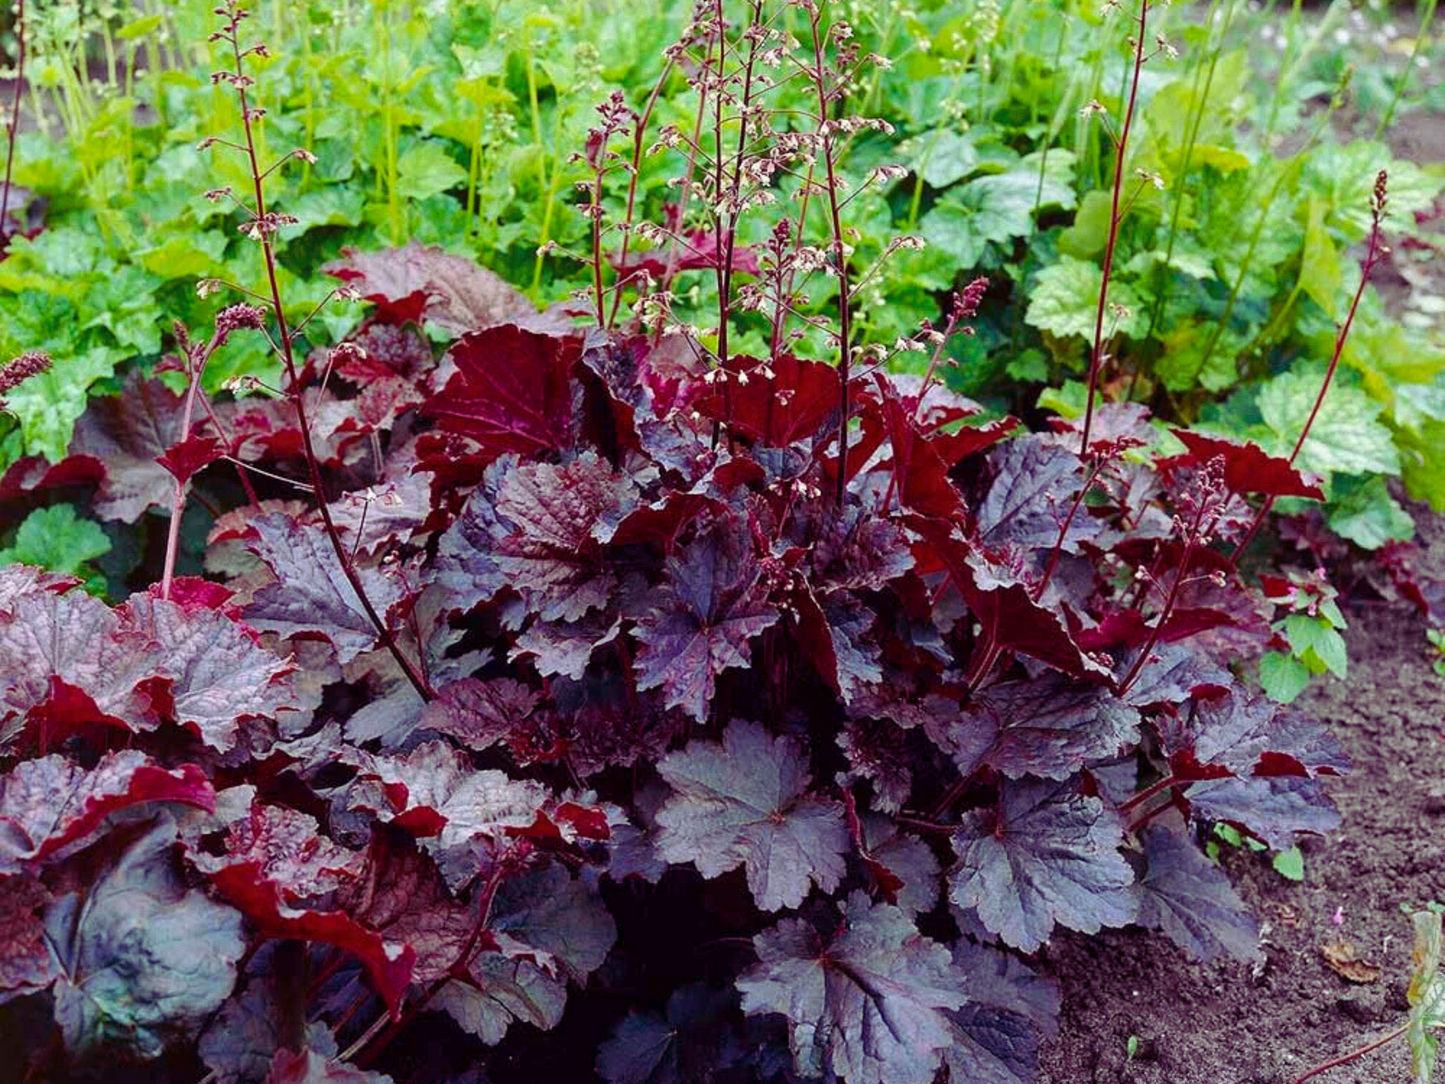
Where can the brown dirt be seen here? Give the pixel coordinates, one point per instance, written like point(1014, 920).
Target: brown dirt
point(1224, 1022)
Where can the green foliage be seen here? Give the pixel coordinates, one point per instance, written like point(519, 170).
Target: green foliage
point(57, 539)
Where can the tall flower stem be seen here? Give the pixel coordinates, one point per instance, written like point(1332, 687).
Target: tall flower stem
point(13, 129)
point(1096, 355)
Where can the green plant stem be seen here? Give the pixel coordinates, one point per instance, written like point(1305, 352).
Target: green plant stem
point(1096, 355)
point(1427, 16)
point(1358, 1052)
point(13, 128)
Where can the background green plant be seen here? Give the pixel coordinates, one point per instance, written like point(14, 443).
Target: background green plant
point(456, 123)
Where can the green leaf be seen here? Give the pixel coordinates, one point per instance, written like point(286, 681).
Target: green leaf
point(48, 405)
point(138, 28)
point(1290, 864)
point(998, 207)
point(1346, 435)
point(1086, 238)
point(426, 170)
point(942, 157)
point(1322, 274)
point(1283, 677)
point(1065, 297)
point(57, 539)
point(1316, 644)
point(1426, 995)
point(1344, 174)
point(1362, 511)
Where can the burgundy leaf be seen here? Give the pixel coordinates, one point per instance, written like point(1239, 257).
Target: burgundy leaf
point(222, 677)
point(910, 862)
point(1188, 897)
point(512, 391)
point(746, 803)
point(704, 618)
point(1248, 468)
point(1044, 855)
point(480, 713)
point(288, 850)
point(263, 902)
point(795, 403)
point(312, 594)
point(1116, 428)
point(68, 661)
point(1252, 735)
point(190, 456)
point(129, 433)
point(695, 250)
point(877, 750)
point(51, 807)
point(25, 963)
point(863, 1003)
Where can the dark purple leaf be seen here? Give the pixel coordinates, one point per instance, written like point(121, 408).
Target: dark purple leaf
point(1274, 808)
point(1049, 726)
point(549, 928)
point(864, 1003)
point(480, 713)
point(1172, 674)
point(695, 1041)
point(908, 859)
point(1034, 488)
point(567, 649)
point(1190, 899)
point(51, 807)
point(1116, 428)
point(141, 959)
point(1009, 1011)
point(1044, 854)
point(798, 401)
point(1253, 735)
point(129, 433)
point(312, 594)
point(857, 551)
point(746, 803)
point(512, 391)
point(703, 618)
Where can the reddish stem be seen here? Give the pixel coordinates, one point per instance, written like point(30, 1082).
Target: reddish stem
point(283, 334)
point(1097, 354)
point(1359, 1051)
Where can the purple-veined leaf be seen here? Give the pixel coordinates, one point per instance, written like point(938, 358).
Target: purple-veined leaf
point(287, 848)
point(480, 713)
point(558, 518)
point(129, 433)
point(746, 803)
point(1044, 854)
point(1171, 675)
point(311, 594)
point(693, 1041)
point(1253, 735)
point(909, 861)
point(141, 958)
point(51, 806)
point(877, 750)
point(864, 1002)
point(1009, 1011)
point(704, 618)
point(1190, 899)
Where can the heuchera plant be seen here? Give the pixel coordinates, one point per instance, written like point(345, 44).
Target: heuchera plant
point(742, 717)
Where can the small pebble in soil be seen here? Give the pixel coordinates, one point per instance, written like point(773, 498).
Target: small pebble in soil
point(1361, 1006)
point(1435, 801)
